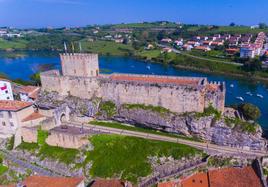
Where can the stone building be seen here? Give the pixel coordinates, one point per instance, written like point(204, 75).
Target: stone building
point(80, 77)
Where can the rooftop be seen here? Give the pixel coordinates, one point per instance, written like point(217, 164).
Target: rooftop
point(44, 181)
point(32, 91)
point(157, 79)
point(13, 105)
point(244, 177)
point(33, 116)
point(238, 177)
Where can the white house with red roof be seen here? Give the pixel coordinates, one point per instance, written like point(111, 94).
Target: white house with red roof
point(6, 90)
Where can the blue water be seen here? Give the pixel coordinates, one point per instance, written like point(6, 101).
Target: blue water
point(24, 67)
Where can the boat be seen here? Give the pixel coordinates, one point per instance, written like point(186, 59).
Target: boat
point(260, 96)
point(249, 93)
point(240, 98)
point(231, 85)
point(148, 67)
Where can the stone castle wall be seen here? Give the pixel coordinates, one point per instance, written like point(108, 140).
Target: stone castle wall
point(175, 97)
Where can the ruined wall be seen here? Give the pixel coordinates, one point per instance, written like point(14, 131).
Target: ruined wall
point(66, 140)
point(29, 134)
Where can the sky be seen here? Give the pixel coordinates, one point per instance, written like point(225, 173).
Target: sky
point(72, 13)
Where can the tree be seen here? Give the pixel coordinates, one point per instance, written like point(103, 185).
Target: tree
point(262, 25)
point(250, 111)
point(252, 65)
point(232, 24)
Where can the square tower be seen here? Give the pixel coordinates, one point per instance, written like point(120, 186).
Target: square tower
point(79, 64)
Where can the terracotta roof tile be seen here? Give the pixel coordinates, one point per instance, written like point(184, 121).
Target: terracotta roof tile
point(32, 91)
point(44, 181)
point(236, 177)
point(197, 180)
point(152, 79)
point(169, 184)
point(33, 116)
point(13, 105)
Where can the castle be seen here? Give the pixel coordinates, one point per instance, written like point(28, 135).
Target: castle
point(80, 77)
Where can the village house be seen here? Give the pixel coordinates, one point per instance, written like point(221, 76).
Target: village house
point(166, 40)
point(193, 43)
point(208, 42)
point(232, 51)
point(12, 114)
point(28, 93)
point(179, 42)
point(187, 47)
point(203, 48)
point(6, 90)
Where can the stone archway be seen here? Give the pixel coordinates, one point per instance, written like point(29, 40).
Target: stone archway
point(62, 114)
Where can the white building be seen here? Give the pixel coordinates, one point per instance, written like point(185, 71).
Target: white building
point(29, 93)
point(6, 90)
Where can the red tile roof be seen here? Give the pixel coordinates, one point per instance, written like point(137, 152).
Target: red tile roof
point(178, 81)
point(197, 180)
point(13, 105)
point(169, 184)
point(227, 177)
point(32, 91)
point(44, 181)
point(33, 116)
point(236, 177)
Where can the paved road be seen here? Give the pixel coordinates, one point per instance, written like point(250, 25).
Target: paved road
point(25, 164)
point(198, 57)
point(200, 145)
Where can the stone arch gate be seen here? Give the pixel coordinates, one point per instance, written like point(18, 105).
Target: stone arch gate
point(62, 114)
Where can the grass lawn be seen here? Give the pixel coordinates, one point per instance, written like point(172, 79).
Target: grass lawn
point(140, 129)
point(3, 169)
point(107, 48)
point(149, 54)
point(16, 44)
point(127, 157)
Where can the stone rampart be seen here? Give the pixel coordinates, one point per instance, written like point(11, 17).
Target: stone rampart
point(178, 94)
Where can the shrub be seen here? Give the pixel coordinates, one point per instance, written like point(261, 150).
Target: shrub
point(250, 111)
point(108, 108)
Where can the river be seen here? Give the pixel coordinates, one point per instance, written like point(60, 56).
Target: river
point(23, 67)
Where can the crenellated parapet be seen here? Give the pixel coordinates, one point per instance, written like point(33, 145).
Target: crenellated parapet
point(80, 77)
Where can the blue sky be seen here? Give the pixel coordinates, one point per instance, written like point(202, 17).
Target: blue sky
point(57, 13)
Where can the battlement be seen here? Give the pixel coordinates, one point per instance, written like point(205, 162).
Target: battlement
point(75, 56)
point(216, 86)
point(79, 64)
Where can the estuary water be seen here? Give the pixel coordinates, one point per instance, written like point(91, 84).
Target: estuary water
point(23, 67)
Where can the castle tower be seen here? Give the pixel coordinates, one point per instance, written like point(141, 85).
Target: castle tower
point(79, 64)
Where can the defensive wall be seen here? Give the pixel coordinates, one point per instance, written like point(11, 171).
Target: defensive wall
point(80, 78)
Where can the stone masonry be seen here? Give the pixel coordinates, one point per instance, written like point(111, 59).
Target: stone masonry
point(80, 77)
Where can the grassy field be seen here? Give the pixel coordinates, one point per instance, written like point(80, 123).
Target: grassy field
point(16, 44)
point(107, 48)
point(225, 29)
point(127, 157)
